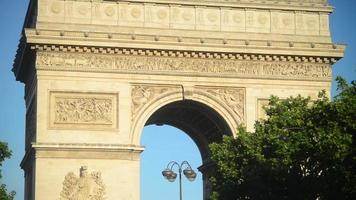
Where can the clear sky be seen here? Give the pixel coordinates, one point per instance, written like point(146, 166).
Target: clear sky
point(158, 152)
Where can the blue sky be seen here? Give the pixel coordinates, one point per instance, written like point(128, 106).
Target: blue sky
point(158, 152)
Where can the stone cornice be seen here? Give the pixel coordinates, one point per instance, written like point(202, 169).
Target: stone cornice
point(183, 46)
point(158, 49)
point(87, 146)
point(81, 150)
point(185, 54)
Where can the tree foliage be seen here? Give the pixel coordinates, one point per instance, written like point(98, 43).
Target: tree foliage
point(4, 154)
point(304, 150)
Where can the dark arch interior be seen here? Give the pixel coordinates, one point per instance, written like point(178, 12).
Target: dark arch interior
point(203, 124)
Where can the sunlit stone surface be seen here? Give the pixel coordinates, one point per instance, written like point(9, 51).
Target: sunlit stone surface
point(96, 72)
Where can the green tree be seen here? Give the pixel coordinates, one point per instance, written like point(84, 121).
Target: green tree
point(4, 154)
point(304, 150)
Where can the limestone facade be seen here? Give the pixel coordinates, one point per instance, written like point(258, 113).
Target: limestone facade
point(97, 71)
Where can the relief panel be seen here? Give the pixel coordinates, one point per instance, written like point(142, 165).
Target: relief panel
point(78, 12)
point(142, 95)
point(53, 11)
point(71, 110)
point(183, 66)
point(182, 17)
point(88, 186)
point(307, 23)
point(258, 21)
point(131, 14)
point(105, 13)
point(232, 98)
point(157, 16)
point(233, 20)
point(208, 18)
point(283, 22)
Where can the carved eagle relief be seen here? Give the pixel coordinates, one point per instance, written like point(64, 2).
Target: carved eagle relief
point(85, 187)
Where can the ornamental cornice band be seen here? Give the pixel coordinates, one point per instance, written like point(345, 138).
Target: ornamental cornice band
point(242, 66)
point(43, 49)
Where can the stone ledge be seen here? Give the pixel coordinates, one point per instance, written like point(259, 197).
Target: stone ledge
point(87, 146)
point(328, 55)
point(81, 151)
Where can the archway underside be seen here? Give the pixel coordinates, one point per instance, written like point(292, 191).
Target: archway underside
point(201, 123)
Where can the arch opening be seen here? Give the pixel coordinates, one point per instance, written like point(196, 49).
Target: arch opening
point(201, 123)
point(173, 144)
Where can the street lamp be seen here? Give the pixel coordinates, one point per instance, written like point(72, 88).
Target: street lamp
point(171, 176)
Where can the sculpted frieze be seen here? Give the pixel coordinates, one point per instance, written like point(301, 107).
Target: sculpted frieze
point(232, 98)
point(183, 66)
point(88, 186)
point(76, 110)
point(143, 94)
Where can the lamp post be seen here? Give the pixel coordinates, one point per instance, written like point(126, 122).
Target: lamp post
point(171, 176)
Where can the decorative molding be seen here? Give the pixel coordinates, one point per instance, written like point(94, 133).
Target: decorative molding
point(144, 94)
point(83, 110)
point(190, 64)
point(87, 151)
point(88, 186)
point(149, 13)
point(232, 98)
point(119, 147)
point(283, 2)
point(56, 55)
point(149, 41)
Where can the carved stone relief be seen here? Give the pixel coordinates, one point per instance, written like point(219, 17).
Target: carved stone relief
point(143, 94)
point(80, 110)
point(261, 113)
point(88, 186)
point(233, 98)
point(183, 66)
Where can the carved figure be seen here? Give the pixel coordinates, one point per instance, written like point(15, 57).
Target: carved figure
point(141, 94)
point(149, 64)
point(234, 98)
point(83, 110)
point(85, 187)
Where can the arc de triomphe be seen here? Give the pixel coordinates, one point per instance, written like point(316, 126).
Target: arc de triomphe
point(97, 71)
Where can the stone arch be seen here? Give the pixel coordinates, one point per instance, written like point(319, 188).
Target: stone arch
point(201, 115)
point(175, 94)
